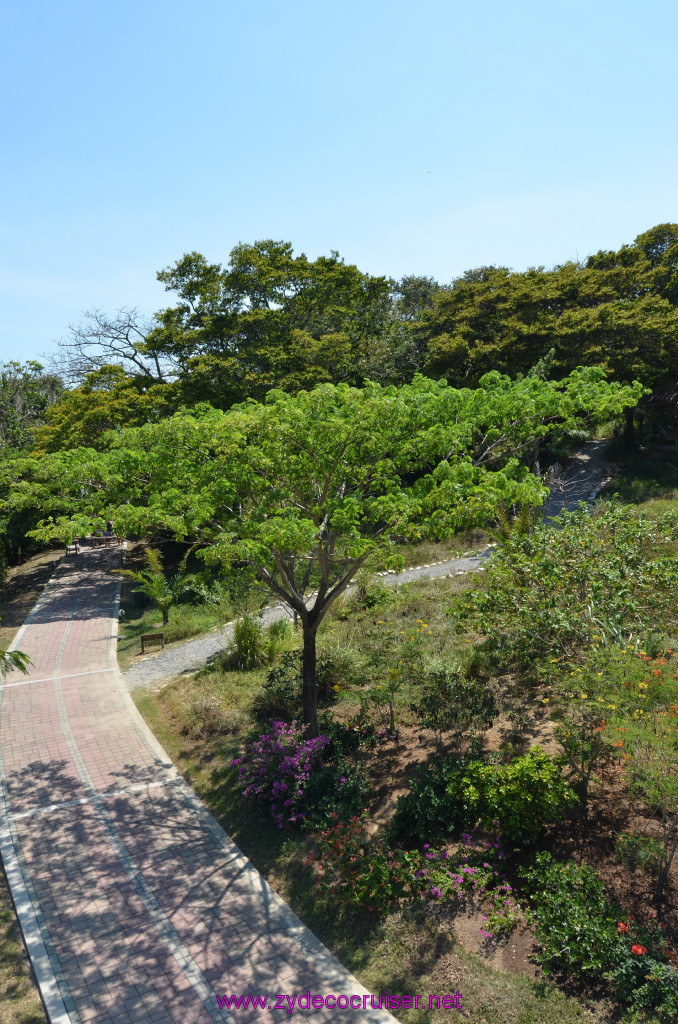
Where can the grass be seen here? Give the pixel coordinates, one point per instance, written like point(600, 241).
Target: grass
point(409, 952)
point(19, 1000)
point(185, 621)
point(647, 480)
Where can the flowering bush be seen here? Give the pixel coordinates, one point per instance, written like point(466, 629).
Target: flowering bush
point(586, 935)
point(369, 875)
point(275, 768)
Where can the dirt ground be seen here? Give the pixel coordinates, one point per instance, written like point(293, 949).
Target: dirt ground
point(22, 589)
point(587, 839)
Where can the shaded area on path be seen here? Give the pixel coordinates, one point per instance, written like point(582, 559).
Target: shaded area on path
point(135, 906)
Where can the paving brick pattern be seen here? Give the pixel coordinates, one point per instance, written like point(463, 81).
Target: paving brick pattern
point(135, 906)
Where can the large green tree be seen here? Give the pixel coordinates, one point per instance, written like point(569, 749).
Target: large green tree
point(618, 310)
point(26, 394)
point(303, 489)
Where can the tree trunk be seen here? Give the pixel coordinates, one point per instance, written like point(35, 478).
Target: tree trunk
point(629, 428)
point(309, 688)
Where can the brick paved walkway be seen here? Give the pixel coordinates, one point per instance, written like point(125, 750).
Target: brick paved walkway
point(135, 906)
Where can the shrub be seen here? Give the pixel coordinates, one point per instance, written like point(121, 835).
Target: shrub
point(335, 791)
point(449, 797)
point(275, 768)
point(549, 593)
point(364, 873)
point(435, 808)
point(367, 874)
point(281, 696)
point(524, 796)
point(591, 939)
point(450, 701)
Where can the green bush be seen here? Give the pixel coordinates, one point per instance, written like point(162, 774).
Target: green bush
point(436, 807)
point(591, 939)
point(335, 792)
point(551, 593)
point(281, 697)
point(449, 797)
point(449, 701)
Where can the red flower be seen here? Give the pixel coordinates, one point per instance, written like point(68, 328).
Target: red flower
point(639, 950)
point(621, 927)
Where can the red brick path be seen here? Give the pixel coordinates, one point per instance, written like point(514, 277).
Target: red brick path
point(135, 906)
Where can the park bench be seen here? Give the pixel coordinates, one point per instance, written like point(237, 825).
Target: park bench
point(152, 638)
point(73, 549)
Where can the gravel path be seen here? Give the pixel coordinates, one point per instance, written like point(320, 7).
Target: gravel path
point(190, 656)
point(584, 476)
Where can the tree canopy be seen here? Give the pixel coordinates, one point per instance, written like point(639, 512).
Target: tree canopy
point(305, 488)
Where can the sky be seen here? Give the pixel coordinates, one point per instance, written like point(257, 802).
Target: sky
point(414, 138)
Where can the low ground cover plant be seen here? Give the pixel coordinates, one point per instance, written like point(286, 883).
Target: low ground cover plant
point(368, 874)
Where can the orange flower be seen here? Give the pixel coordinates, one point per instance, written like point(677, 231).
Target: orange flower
point(639, 950)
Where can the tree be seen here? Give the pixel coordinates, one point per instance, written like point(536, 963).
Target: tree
point(119, 339)
point(109, 397)
point(26, 394)
point(305, 488)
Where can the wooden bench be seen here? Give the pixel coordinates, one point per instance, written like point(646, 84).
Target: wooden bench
point(73, 549)
point(152, 638)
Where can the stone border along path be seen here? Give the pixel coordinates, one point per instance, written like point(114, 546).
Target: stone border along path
point(587, 473)
point(135, 906)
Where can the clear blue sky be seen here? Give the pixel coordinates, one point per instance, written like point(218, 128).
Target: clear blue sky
point(423, 137)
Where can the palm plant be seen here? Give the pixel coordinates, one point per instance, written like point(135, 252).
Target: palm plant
point(162, 590)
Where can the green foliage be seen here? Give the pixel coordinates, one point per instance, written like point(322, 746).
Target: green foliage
point(336, 791)
point(305, 488)
point(591, 939)
point(450, 797)
point(637, 850)
point(163, 591)
point(650, 751)
point(553, 592)
point(26, 394)
point(13, 660)
point(280, 697)
point(248, 649)
point(436, 807)
point(363, 873)
point(450, 701)
point(618, 311)
point(281, 694)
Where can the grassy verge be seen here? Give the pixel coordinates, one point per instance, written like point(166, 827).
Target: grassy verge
point(410, 952)
point(19, 999)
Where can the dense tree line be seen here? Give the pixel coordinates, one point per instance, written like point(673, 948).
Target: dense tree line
point(270, 318)
point(273, 319)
